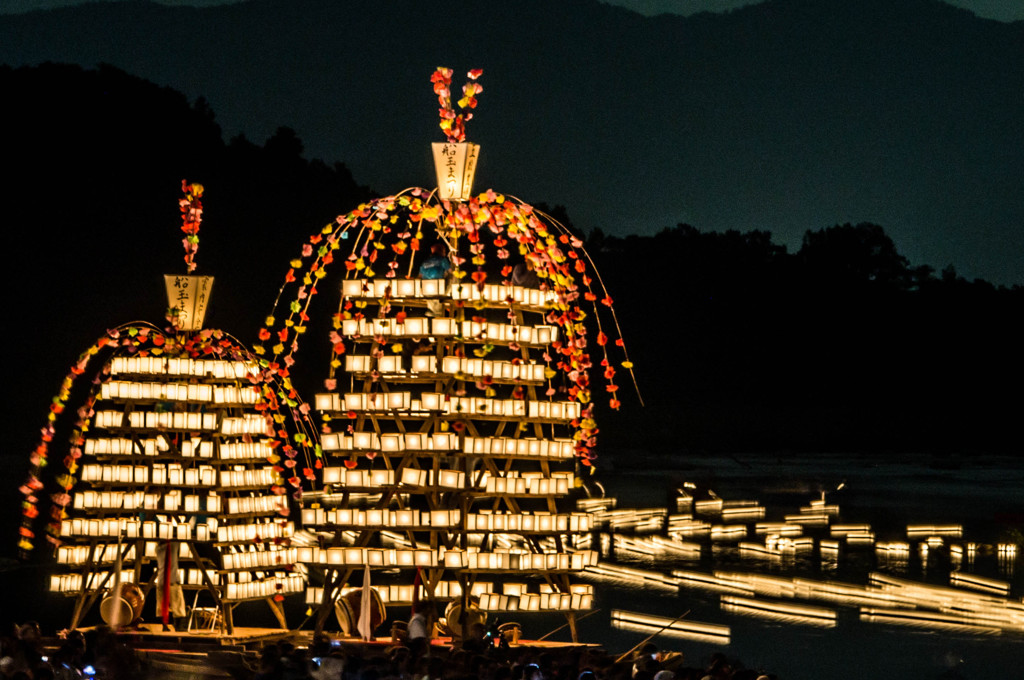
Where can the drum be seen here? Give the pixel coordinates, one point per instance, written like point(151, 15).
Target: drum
point(343, 612)
point(348, 606)
point(452, 613)
point(126, 605)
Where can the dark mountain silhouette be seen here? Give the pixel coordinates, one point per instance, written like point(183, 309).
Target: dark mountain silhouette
point(782, 116)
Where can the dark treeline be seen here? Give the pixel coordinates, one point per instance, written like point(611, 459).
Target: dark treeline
point(739, 345)
point(841, 346)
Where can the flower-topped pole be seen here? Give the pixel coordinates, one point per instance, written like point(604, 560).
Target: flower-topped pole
point(456, 159)
point(188, 296)
point(191, 216)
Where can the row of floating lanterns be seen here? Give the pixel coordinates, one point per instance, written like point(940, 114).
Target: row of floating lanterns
point(221, 369)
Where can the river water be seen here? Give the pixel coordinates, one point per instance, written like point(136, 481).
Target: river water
point(985, 495)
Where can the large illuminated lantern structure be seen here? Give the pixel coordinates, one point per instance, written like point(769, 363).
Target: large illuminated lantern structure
point(172, 479)
point(458, 411)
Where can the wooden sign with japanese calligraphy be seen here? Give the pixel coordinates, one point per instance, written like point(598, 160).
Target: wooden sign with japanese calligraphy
point(190, 296)
point(455, 165)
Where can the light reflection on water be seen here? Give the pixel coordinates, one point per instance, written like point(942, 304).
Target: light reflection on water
point(986, 496)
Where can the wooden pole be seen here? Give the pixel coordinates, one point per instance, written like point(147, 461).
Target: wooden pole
point(651, 637)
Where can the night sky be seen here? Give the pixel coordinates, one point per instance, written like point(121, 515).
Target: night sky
point(719, 123)
point(1000, 10)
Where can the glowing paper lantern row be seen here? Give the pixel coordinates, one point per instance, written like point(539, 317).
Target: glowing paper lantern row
point(133, 528)
point(537, 602)
point(361, 401)
point(371, 441)
point(508, 561)
point(231, 395)
point(503, 332)
point(422, 364)
point(119, 389)
point(437, 288)
point(129, 500)
point(249, 423)
point(121, 446)
point(215, 368)
point(255, 505)
point(503, 370)
point(559, 448)
point(541, 522)
point(245, 450)
point(275, 585)
point(417, 327)
point(381, 518)
point(396, 288)
point(194, 577)
point(261, 531)
point(375, 557)
point(172, 474)
point(151, 420)
point(499, 294)
point(240, 478)
point(73, 583)
point(257, 559)
point(104, 553)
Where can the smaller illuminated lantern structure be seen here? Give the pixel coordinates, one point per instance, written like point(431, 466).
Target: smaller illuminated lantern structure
point(176, 450)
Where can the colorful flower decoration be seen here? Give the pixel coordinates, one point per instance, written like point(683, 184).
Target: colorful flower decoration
point(454, 124)
point(384, 238)
point(191, 216)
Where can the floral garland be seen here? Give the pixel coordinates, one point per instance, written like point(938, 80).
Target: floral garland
point(141, 339)
point(191, 216)
point(454, 124)
point(387, 234)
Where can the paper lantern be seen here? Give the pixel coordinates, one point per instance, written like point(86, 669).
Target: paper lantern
point(455, 164)
point(190, 296)
point(352, 287)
